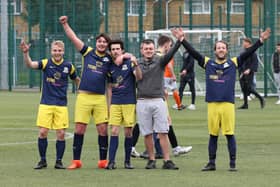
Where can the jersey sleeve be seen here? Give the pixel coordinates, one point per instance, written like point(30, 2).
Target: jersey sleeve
point(85, 50)
point(42, 64)
point(73, 74)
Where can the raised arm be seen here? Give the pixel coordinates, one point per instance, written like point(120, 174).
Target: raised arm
point(26, 57)
point(263, 37)
point(79, 44)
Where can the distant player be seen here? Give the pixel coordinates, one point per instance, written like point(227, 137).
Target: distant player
point(247, 73)
point(164, 44)
point(276, 70)
point(220, 83)
point(53, 112)
point(187, 75)
point(91, 100)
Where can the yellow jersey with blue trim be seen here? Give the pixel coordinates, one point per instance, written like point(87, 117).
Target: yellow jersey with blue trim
point(55, 81)
point(95, 68)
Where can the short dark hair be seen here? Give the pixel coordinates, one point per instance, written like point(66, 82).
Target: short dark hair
point(116, 41)
point(248, 40)
point(147, 41)
point(278, 43)
point(163, 39)
point(105, 36)
point(220, 41)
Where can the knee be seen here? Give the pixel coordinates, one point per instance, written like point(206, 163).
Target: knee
point(43, 133)
point(60, 134)
point(80, 128)
point(102, 129)
point(115, 131)
point(128, 132)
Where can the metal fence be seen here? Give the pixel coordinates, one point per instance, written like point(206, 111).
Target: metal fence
point(129, 20)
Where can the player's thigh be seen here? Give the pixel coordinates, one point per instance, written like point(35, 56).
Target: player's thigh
point(129, 115)
point(100, 109)
point(228, 119)
point(45, 116)
point(214, 118)
point(83, 108)
point(144, 116)
point(115, 117)
point(160, 116)
point(61, 118)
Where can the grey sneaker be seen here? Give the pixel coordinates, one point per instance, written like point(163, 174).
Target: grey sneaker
point(169, 165)
point(151, 164)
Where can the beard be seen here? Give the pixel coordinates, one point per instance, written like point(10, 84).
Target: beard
point(220, 58)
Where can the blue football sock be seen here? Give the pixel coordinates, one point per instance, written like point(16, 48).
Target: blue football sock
point(127, 148)
point(114, 143)
point(231, 148)
point(157, 144)
point(77, 146)
point(60, 148)
point(42, 147)
point(103, 147)
point(212, 148)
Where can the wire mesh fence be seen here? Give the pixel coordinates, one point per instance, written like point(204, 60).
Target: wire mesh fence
point(37, 22)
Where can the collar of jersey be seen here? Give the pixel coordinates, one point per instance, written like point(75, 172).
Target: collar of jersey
point(221, 61)
point(99, 54)
point(57, 63)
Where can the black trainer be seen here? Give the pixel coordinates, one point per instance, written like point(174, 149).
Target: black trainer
point(243, 107)
point(209, 167)
point(111, 165)
point(59, 165)
point(42, 164)
point(169, 165)
point(128, 165)
point(151, 164)
point(232, 168)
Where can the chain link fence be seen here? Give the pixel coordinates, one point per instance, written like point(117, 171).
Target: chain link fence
point(37, 22)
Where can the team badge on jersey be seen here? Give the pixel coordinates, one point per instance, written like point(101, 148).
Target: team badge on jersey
point(57, 75)
point(99, 64)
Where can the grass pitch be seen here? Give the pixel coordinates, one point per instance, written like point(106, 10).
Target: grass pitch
point(258, 150)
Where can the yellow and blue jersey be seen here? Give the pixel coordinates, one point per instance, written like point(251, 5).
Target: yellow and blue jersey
point(123, 83)
point(55, 81)
point(220, 80)
point(94, 70)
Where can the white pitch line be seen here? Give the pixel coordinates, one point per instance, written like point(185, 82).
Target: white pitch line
point(68, 135)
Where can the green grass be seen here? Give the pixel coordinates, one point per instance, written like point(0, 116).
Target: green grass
point(257, 134)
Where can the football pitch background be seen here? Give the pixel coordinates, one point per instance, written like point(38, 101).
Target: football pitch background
point(258, 150)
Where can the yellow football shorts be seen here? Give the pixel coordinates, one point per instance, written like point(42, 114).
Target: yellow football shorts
point(122, 115)
point(91, 105)
point(221, 115)
point(53, 117)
